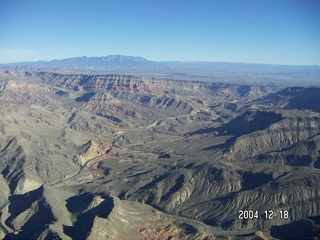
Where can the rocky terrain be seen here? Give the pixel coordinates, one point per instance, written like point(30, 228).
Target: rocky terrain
point(88, 156)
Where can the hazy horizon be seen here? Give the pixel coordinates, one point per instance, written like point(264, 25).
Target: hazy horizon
point(161, 61)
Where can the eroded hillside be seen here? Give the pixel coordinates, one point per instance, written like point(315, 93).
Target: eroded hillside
point(126, 157)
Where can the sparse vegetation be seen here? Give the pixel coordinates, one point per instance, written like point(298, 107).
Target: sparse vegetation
point(124, 157)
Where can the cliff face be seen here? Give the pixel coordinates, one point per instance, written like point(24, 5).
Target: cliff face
point(120, 96)
point(215, 196)
point(124, 84)
point(278, 136)
point(297, 98)
point(133, 220)
point(89, 151)
point(120, 83)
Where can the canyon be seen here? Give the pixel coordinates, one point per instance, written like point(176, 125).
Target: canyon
point(120, 156)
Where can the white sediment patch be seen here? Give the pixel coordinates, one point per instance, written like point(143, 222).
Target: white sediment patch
point(27, 185)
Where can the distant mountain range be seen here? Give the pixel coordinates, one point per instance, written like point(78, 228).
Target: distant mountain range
point(187, 70)
point(114, 60)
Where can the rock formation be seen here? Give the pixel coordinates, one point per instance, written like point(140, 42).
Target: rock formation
point(86, 156)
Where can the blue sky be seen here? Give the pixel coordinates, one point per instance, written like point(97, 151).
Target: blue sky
point(249, 31)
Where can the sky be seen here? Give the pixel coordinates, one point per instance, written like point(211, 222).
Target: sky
point(246, 31)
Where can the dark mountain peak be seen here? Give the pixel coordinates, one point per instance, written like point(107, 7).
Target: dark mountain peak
point(110, 58)
point(125, 58)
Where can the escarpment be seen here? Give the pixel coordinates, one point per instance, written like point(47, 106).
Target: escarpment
point(278, 136)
